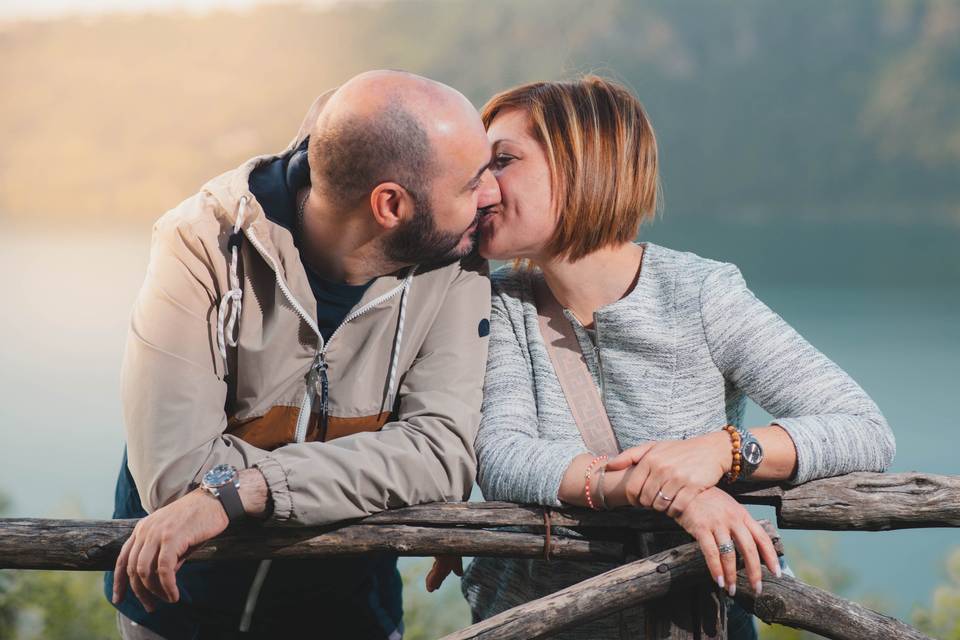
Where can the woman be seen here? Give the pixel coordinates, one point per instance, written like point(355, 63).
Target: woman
point(674, 341)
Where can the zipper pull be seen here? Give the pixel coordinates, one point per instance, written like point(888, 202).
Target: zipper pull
point(322, 388)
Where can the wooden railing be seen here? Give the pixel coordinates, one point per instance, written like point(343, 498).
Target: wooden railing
point(858, 501)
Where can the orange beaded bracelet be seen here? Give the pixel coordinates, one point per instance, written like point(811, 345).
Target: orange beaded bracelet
point(734, 473)
point(586, 486)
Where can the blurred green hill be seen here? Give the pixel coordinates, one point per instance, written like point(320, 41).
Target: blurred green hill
point(819, 110)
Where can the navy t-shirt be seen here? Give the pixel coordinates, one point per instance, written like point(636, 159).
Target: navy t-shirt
point(275, 185)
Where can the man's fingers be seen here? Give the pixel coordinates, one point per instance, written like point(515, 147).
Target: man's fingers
point(167, 573)
point(120, 571)
point(136, 581)
point(458, 566)
point(147, 568)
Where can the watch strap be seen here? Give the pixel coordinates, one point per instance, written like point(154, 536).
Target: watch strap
point(229, 496)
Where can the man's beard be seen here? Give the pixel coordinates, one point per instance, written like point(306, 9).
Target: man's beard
point(419, 241)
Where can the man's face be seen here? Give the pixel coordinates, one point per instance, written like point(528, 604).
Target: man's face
point(445, 221)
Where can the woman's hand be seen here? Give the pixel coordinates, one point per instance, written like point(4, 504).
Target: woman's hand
point(442, 566)
point(668, 474)
point(713, 517)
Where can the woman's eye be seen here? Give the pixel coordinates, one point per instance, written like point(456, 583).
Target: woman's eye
point(502, 160)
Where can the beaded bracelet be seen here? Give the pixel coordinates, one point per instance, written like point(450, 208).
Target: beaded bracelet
point(586, 476)
point(734, 473)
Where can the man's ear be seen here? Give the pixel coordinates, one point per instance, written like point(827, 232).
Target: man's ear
point(391, 205)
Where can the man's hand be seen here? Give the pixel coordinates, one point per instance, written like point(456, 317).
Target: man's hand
point(152, 555)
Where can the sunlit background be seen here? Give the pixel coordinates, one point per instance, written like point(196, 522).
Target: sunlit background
point(816, 144)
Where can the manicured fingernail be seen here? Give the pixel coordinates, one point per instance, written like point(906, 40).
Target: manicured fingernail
point(779, 572)
point(758, 587)
point(720, 581)
point(733, 589)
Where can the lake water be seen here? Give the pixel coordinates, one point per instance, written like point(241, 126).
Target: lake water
point(66, 300)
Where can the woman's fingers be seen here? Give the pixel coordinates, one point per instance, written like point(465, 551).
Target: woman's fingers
point(728, 558)
point(708, 545)
point(635, 482)
point(442, 565)
point(680, 502)
point(630, 456)
point(751, 557)
point(768, 552)
point(666, 496)
point(649, 496)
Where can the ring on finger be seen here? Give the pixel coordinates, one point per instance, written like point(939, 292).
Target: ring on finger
point(666, 498)
point(726, 547)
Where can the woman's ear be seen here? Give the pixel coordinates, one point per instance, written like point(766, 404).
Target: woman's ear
point(391, 205)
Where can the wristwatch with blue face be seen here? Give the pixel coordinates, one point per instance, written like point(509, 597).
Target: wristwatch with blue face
point(223, 483)
point(751, 453)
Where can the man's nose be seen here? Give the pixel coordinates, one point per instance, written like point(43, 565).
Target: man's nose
point(489, 190)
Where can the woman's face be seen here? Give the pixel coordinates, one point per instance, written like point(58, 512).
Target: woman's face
point(524, 221)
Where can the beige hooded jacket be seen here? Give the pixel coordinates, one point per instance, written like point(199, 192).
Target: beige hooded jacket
point(404, 371)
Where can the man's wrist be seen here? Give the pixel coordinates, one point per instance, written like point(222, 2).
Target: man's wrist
point(254, 493)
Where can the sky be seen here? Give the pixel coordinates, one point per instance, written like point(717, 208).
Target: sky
point(42, 9)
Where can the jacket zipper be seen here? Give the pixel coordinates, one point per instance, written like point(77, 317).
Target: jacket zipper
point(317, 383)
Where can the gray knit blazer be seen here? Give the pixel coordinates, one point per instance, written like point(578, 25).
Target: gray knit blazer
point(680, 354)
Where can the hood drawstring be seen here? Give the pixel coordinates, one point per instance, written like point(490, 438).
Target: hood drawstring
point(232, 300)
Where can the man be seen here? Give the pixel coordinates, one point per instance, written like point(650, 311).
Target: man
point(308, 346)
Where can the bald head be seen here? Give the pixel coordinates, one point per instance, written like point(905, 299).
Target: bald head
point(387, 126)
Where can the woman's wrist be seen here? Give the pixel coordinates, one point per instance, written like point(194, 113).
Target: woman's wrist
point(720, 445)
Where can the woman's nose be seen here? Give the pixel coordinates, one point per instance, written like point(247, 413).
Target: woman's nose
point(489, 190)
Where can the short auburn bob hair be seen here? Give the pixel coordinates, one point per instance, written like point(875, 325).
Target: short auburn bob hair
point(602, 155)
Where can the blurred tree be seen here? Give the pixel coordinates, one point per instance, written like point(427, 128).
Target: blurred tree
point(942, 619)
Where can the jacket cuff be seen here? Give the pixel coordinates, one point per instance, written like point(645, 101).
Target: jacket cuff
point(811, 438)
point(279, 489)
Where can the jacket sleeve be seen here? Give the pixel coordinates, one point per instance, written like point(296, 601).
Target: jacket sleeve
point(516, 464)
point(835, 426)
point(426, 455)
point(172, 381)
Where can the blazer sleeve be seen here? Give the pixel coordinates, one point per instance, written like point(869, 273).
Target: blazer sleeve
point(515, 463)
point(836, 427)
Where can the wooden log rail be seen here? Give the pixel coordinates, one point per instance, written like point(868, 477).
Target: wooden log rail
point(858, 501)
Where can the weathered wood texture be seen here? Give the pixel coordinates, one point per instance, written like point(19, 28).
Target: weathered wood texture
point(93, 545)
point(858, 501)
point(629, 585)
point(788, 601)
